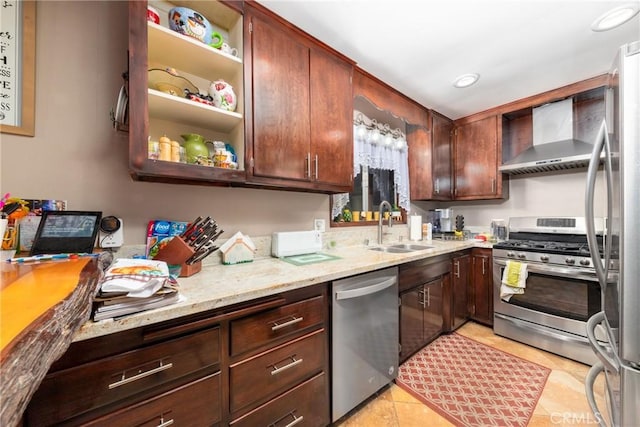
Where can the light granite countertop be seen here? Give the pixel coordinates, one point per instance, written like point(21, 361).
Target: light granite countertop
point(219, 285)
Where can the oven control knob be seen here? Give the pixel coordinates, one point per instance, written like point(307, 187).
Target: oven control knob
point(570, 261)
point(544, 258)
point(510, 254)
point(522, 255)
point(585, 262)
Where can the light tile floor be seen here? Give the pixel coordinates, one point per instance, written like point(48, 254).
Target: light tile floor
point(562, 403)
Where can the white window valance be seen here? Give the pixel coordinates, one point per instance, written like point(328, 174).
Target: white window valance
point(376, 145)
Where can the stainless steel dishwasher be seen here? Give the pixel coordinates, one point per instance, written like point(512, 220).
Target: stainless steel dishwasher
point(365, 337)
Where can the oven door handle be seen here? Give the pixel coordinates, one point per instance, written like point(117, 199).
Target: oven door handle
point(546, 331)
point(555, 271)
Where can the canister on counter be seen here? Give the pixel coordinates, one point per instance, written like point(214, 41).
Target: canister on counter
point(427, 231)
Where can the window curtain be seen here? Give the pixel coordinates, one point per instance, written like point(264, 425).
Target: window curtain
point(378, 150)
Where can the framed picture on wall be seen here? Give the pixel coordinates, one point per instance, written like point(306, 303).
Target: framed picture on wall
point(17, 67)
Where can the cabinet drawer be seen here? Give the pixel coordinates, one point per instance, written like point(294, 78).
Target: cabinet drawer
point(196, 403)
point(254, 331)
point(258, 378)
point(423, 271)
point(304, 405)
point(73, 391)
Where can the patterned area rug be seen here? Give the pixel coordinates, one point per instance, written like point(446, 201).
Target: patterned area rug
point(472, 384)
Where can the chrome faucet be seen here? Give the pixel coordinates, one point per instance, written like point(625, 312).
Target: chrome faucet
point(380, 210)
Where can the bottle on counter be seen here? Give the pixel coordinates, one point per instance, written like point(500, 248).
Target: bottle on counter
point(427, 231)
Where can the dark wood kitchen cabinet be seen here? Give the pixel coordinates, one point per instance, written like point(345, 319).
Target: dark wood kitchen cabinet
point(430, 158)
point(278, 358)
point(420, 162)
point(442, 138)
point(420, 316)
point(302, 106)
point(421, 285)
point(262, 362)
point(481, 289)
point(477, 155)
point(136, 379)
point(456, 295)
point(153, 112)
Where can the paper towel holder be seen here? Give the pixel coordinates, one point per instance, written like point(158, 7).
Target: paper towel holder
point(415, 227)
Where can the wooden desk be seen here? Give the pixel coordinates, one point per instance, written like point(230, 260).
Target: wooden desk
point(42, 305)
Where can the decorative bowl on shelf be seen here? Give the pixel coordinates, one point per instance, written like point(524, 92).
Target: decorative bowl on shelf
point(190, 23)
point(170, 83)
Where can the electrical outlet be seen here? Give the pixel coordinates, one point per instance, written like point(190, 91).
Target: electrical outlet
point(113, 239)
point(318, 225)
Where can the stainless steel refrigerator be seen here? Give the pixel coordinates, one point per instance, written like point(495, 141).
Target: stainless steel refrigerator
point(618, 269)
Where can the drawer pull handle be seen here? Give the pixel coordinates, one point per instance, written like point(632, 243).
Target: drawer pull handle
point(141, 375)
point(285, 324)
point(295, 421)
point(285, 367)
point(164, 423)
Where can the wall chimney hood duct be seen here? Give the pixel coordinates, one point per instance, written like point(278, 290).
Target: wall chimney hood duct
point(554, 147)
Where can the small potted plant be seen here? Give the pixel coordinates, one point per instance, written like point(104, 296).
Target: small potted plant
point(396, 213)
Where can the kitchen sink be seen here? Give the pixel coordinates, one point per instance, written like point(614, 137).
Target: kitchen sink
point(411, 247)
point(391, 250)
point(401, 248)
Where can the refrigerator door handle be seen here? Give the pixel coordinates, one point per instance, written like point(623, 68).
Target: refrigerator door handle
point(589, 204)
point(589, 383)
point(600, 351)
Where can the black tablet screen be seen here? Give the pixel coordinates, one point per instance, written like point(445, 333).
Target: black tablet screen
point(66, 232)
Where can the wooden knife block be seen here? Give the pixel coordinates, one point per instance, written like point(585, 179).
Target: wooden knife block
point(177, 252)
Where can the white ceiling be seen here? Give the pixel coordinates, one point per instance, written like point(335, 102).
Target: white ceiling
point(519, 47)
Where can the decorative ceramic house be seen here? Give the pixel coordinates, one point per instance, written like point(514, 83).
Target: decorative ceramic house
point(239, 248)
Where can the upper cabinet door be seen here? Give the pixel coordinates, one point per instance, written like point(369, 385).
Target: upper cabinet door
point(430, 158)
point(280, 74)
point(420, 162)
point(331, 119)
point(441, 135)
point(302, 108)
point(476, 160)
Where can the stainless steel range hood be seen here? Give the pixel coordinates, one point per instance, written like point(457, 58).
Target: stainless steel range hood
point(554, 147)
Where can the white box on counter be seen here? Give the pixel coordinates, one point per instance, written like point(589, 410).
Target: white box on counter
point(291, 243)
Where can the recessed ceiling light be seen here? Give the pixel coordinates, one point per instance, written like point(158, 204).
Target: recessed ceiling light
point(615, 17)
point(466, 80)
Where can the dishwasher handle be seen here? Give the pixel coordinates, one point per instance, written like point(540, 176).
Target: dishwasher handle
point(366, 290)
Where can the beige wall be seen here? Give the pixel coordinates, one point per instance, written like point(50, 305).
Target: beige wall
point(81, 51)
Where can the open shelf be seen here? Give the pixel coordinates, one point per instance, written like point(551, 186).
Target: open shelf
point(182, 110)
point(190, 55)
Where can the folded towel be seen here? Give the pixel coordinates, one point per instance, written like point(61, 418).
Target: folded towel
point(514, 279)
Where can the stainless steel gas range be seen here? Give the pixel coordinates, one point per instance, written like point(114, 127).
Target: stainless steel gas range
point(561, 290)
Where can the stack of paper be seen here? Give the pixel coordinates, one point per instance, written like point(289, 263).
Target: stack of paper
point(133, 285)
